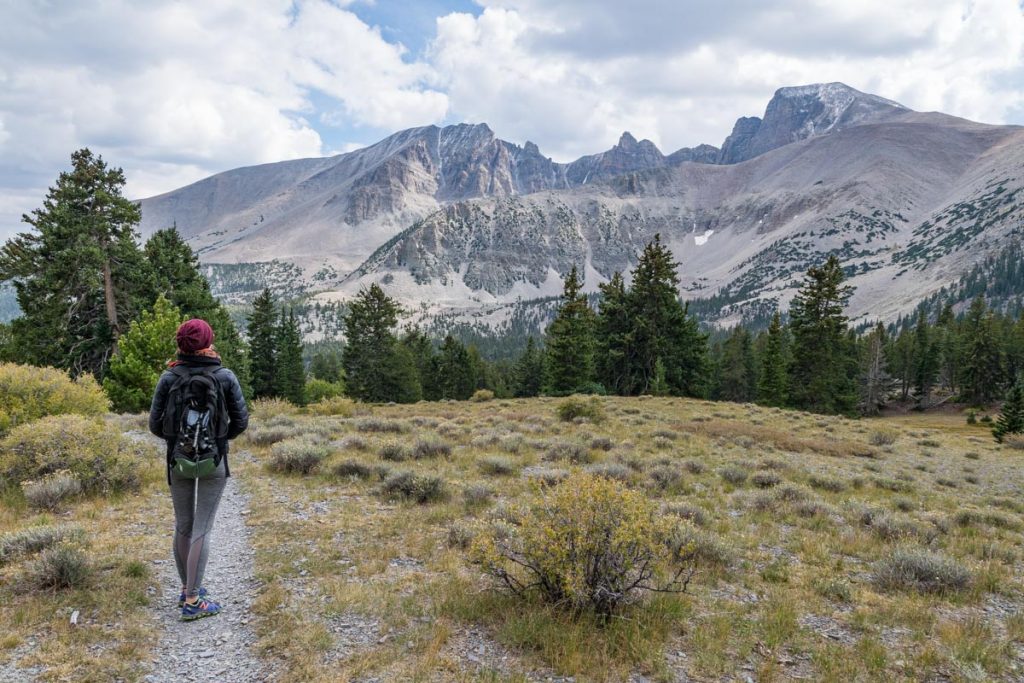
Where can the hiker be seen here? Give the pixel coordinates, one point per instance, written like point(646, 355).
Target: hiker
point(197, 407)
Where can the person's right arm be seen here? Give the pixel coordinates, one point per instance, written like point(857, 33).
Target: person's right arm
point(156, 409)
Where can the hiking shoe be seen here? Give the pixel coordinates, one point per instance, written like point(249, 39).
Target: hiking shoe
point(181, 597)
point(202, 608)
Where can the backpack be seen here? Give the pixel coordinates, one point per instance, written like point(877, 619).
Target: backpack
point(195, 415)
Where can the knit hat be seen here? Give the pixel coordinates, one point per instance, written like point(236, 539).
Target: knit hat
point(194, 335)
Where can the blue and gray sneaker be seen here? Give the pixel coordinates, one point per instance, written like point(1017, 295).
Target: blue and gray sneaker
point(181, 597)
point(201, 608)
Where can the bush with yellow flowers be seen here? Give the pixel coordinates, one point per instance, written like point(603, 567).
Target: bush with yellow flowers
point(28, 393)
point(589, 544)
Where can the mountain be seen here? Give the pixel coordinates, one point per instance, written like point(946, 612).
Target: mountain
point(457, 222)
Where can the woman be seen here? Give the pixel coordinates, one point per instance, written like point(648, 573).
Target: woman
point(195, 496)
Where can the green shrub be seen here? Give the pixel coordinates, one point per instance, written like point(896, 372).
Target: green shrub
point(497, 465)
point(60, 567)
point(259, 435)
point(733, 474)
point(357, 469)
point(318, 390)
point(414, 487)
point(691, 513)
point(378, 425)
point(394, 452)
point(883, 437)
point(911, 569)
point(297, 456)
point(102, 459)
point(477, 495)
point(611, 470)
point(32, 540)
point(826, 483)
point(574, 407)
point(482, 395)
point(575, 453)
point(332, 405)
point(588, 543)
point(28, 393)
point(267, 408)
point(52, 490)
point(766, 480)
point(430, 448)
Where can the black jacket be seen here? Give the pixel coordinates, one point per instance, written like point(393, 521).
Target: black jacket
point(234, 402)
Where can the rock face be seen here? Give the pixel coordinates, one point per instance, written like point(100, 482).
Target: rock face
point(802, 112)
point(454, 217)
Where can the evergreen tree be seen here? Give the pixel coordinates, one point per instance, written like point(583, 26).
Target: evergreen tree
point(949, 348)
point(377, 368)
point(899, 357)
point(875, 381)
point(772, 385)
point(529, 371)
point(455, 372)
point(177, 275)
point(981, 362)
point(421, 350)
point(819, 379)
point(79, 275)
point(926, 359)
point(614, 335)
point(738, 373)
point(662, 328)
point(1011, 419)
point(143, 352)
point(326, 366)
point(289, 371)
point(570, 341)
point(262, 345)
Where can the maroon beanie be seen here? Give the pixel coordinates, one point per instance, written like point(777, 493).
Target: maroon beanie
point(194, 335)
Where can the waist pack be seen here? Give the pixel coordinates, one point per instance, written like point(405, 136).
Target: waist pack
point(196, 415)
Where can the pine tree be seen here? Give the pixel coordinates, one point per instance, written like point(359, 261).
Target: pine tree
point(529, 371)
point(455, 372)
point(981, 362)
point(289, 371)
point(875, 381)
point(262, 345)
point(738, 373)
point(772, 385)
point(899, 358)
point(79, 275)
point(177, 275)
point(570, 341)
point(377, 367)
point(949, 348)
point(326, 366)
point(143, 352)
point(614, 337)
point(1011, 419)
point(662, 328)
point(421, 350)
point(819, 379)
point(926, 360)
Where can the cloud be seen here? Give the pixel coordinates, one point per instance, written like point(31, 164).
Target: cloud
point(572, 74)
point(175, 91)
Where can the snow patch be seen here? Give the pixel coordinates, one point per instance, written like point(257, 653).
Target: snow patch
point(701, 240)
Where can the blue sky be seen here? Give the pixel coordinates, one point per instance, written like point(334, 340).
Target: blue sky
point(176, 90)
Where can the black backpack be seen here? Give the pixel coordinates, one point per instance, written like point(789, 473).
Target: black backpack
point(195, 415)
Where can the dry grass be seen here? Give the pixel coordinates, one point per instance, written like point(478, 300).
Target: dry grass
point(44, 579)
point(786, 585)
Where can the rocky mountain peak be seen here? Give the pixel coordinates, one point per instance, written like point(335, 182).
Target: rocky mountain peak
point(800, 112)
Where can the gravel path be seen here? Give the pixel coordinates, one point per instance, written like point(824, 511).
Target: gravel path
point(215, 648)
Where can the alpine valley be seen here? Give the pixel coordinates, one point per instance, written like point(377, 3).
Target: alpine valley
point(471, 231)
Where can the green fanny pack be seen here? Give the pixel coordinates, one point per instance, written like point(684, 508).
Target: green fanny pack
point(194, 469)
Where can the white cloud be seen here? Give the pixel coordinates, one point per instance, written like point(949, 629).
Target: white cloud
point(175, 91)
point(572, 74)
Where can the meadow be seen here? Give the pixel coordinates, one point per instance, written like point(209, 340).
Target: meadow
point(822, 548)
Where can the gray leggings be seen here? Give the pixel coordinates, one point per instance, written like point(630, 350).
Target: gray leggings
point(193, 522)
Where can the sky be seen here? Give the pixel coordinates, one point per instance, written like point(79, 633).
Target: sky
point(173, 91)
